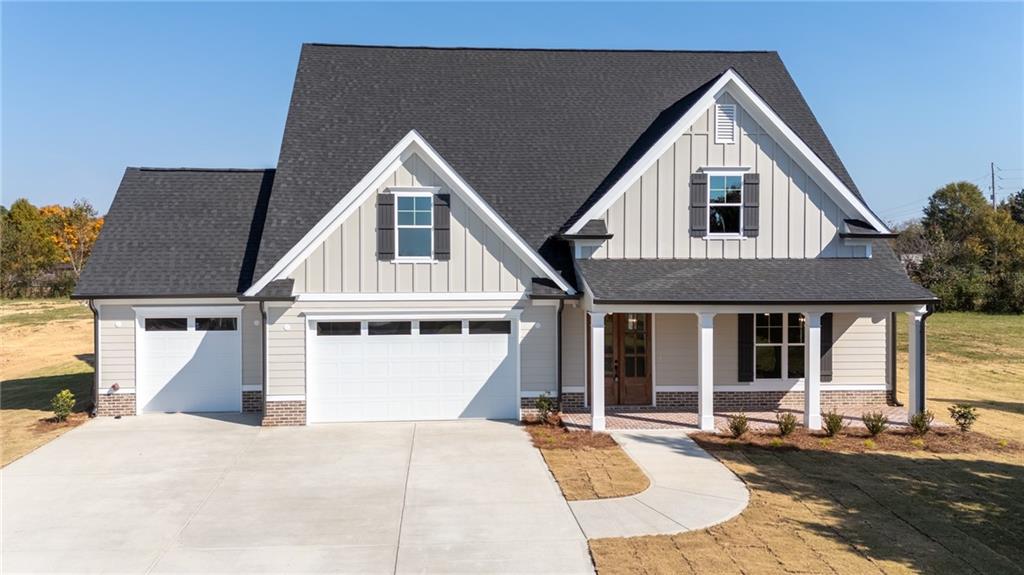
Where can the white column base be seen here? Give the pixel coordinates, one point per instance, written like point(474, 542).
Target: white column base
point(705, 370)
point(597, 420)
point(598, 423)
point(812, 376)
point(812, 421)
point(707, 422)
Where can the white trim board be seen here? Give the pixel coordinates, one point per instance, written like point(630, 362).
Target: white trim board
point(411, 297)
point(731, 83)
point(412, 143)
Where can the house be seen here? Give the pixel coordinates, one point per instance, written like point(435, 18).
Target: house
point(452, 233)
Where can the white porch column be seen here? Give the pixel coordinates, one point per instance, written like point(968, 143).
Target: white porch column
point(812, 373)
point(915, 358)
point(705, 370)
point(597, 372)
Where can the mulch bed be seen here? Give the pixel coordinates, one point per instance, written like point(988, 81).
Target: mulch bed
point(858, 440)
point(551, 436)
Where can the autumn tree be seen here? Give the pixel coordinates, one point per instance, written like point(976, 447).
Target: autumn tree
point(73, 231)
point(26, 249)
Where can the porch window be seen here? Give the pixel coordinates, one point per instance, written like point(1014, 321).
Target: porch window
point(725, 204)
point(779, 345)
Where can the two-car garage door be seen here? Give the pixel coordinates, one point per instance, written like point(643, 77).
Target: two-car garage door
point(411, 370)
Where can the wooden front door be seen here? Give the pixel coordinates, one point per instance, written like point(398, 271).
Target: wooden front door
point(627, 359)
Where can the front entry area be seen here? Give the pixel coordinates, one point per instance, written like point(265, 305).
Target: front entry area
point(627, 359)
point(412, 370)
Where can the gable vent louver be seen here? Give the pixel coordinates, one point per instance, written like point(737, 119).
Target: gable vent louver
point(725, 123)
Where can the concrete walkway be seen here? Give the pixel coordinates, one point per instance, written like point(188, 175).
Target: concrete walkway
point(689, 490)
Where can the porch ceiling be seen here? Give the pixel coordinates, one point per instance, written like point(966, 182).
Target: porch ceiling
point(880, 279)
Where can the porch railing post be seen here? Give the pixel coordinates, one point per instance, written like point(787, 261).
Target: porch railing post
point(705, 370)
point(597, 421)
point(812, 375)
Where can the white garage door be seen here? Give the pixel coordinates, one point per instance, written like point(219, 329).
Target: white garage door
point(412, 370)
point(189, 361)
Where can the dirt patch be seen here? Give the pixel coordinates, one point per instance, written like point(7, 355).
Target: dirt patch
point(24, 430)
point(587, 465)
point(859, 441)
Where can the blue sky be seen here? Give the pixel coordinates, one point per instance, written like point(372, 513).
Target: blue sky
point(912, 95)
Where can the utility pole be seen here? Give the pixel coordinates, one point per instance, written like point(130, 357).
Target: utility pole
point(992, 167)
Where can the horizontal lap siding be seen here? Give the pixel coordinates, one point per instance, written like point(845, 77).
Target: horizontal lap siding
point(574, 346)
point(346, 262)
point(538, 337)
point(797, 219)
point(859, 354)
point(117, 346)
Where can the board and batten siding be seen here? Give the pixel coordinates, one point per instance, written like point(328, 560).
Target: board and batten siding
point(797, 219)
point(117, 345)
point(858, 353)
point(346, 262)
point(286, 341)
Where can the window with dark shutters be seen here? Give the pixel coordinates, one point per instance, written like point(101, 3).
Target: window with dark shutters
point(385, 227)
point(751, 204)
point(698, 205)
point(442, 227)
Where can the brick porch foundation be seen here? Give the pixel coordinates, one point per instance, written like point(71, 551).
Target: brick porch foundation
point(285, 413)
point(115, 404)
point(252, 402)
point(756, 400)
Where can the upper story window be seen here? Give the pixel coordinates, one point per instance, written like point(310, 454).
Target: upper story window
point(725, 204)
point(414, 225)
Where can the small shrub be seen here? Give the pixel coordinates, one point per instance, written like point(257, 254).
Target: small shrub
point(876, 422)
point(963, 416)
point(776, 442)
point(870, 444)
point(921, 423)
point(786, 423)
point(62, 404)
point(738, 425)
point(1003, 443)
point(826, 443)
point(545, 406)
point(834, 423)
point(917, 442)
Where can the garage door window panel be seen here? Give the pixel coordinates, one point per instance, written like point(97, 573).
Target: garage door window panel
point(440, 327)
point(216, 324)
point(166, 324)
point(337, 328)
point(489, 327)
point(389, 328)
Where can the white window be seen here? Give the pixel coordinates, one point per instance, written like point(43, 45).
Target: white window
point(414, 225)
point(725, 204)
point(779, 346)
point(725, 123)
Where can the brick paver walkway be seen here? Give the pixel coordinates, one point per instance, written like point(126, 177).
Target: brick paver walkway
point(653, 418)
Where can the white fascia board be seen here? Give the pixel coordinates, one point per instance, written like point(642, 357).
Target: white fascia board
point(732, 84)
point(412, 143)
point(411, 297)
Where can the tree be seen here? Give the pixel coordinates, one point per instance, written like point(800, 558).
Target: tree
point(956, 210)
point(73, 231)
point(26, 248)
point(1015, 205)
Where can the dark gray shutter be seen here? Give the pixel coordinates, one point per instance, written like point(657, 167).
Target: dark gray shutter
point(698, 205)
point(751, 204)
point(826, 347)
point(385, 227)
point(746, 347)
point(442, 227)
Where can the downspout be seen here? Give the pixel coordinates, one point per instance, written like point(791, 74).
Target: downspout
point(95, 358)
point(921, 353)
point(263, 338)
point(558, 351)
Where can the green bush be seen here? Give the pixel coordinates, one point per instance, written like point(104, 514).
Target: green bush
point(963, 416)
point(921, 423)
point(776, 442)
point(62, 404)
point(545, 406)
point(738, 425)
point(876, 422)
point(786, 422)
point(834, 423)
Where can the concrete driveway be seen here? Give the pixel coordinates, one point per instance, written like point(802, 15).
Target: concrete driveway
point(189, 493)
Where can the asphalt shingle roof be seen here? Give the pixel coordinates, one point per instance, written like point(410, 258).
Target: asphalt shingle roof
point(179, 232)
point(538, 133)
point(826, 280)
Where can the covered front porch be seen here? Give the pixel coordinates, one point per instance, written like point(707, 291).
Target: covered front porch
point(655, 366)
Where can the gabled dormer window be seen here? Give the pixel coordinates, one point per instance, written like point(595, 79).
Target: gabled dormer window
point(414, 225)
point(725, 204)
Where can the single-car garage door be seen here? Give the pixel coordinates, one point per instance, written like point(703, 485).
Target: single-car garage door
point(412, 370)
point(189, 359)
